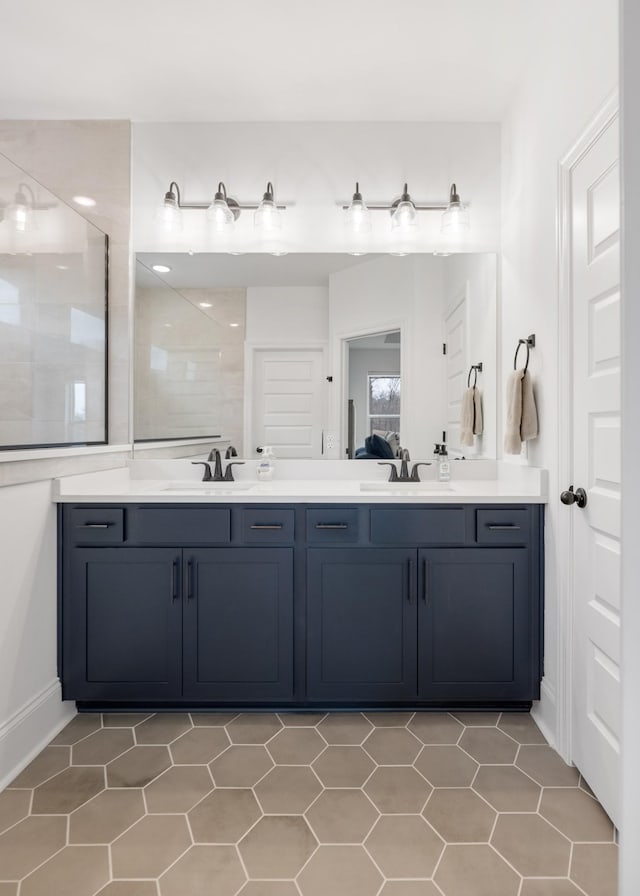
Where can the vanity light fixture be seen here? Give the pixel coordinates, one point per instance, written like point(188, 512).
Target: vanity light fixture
point(404, 217)
point(169, 213)
point(404, 213)
point(222, 212)
point(357, 217)
point(19, 213)
point(455, 220)
point(160, 268)
point(266, 219)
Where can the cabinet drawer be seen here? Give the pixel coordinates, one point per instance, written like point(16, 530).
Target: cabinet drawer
point(504, 526)
point(179, 525)
point(97, 525)
point(438, 525)
point(333, 524)
point(267, 526)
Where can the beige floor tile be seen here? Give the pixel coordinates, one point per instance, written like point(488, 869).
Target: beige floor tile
point(549, 887)
point(138, 767)
point(102, 747)
point(584, 786)
point(397, 790)
point(269, 888)
point(29, 843)
point(68, 790)
point(594, 867)
point(50, 762)
point(80, 870)
point(212, 719)
point(14, 806)
point(507, 788)
point(531, 845)
point(80, 726)
point(253, 728)
point(521, 727)
point(341, 816)
point(106, 816)
point(436, 728)
point(546, 767)
point(240, 766)
point(404, 846)
point(224, 816)
point(287, 790)
point(475, 869)
point(343, 767)
point(340, 871)
point(459, 816)
point(8, 889)
point(202, 871)
point(409, 888)
point(348, 728)
point(296, 746)
point(124, 719)
point(277, 847)
point(301, 719)
point(178, 789)
point(477, 718)
point(489, 745)
point(130, 888)
point(150, 846)
point(389, 719)
point(199, 746)
point(445, 766)
point(392, 746)
point(163, 728)
point(576, 814)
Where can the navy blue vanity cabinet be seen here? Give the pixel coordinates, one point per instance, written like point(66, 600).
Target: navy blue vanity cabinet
point(122, 624)
point(238, 624)
point(475, 617)
point(361, 625)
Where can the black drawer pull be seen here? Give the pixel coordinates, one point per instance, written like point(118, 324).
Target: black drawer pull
point(94, 526)
point(174, 580)
point(332, 525)
point(191, 574)
point(506, 527)
point(268, 526)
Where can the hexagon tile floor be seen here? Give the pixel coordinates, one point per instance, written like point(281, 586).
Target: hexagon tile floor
point(375, 804)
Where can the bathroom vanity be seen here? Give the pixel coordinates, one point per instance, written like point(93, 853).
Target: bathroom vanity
point(334, 599)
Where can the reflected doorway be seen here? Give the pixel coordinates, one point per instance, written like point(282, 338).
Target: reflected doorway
point(374, 389)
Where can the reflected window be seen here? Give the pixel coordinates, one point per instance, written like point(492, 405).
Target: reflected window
point(383, 402)
point(9, 303)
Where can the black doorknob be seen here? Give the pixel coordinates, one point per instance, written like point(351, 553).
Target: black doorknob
point(578, 497)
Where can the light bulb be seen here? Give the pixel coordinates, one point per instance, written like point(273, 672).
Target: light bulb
point(405, 217)
point(357, 216)
point(19, 213)
point(267, 217)
point(169, 213)
point(455, 220)
point(219, 215)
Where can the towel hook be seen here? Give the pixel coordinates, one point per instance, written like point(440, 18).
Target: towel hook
point(530, 343)
point(475, 369)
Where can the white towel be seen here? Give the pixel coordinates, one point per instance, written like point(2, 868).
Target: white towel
point(471, 423)
point(522, 415)
point(478, 422)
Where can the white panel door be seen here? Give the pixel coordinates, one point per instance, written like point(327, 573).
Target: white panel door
point(287, 402)
point(595, 298)
point(455, 328)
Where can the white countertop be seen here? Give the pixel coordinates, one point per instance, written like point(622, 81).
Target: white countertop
point(313, 482)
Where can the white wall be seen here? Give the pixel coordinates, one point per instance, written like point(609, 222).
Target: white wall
point(630, 824)
point(287, 314)
point(315, 166)
point(575, 72)
point(362, 362)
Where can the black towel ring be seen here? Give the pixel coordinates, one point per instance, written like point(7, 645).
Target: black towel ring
point(529, 342)
point(475, 369)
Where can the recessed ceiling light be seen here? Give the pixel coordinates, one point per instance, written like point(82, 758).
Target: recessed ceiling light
point(86, 201)
point(62, 267)
point(205, 304)
point(234, 325)
point(161, 268)
point(168, 325)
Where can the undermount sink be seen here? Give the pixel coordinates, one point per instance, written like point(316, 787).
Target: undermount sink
point(208, 487)
point(418, 488)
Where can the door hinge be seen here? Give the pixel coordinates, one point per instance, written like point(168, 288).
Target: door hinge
point(444, 348)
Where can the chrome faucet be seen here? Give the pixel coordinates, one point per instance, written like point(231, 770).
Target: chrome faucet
point(404, 465)
point(217, 475)
point(404, 476)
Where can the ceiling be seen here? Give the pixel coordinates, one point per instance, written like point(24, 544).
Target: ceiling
point(286, 60)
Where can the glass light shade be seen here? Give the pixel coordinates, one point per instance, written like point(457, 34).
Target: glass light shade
point(169, 216)
point(267, 218)
point(455, 219)
point(19, 213)
point(405, 217)
point(358, 218)
point(220, 216)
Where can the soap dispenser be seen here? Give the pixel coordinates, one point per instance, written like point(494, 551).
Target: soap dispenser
point(444, 468)
point(266, 465)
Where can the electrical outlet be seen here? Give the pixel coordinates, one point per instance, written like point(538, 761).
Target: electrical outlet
point(330, 441)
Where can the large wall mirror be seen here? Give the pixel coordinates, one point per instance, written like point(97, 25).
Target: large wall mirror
point(313, 353)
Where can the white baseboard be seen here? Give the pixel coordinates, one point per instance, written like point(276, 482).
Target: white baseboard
point(29, 730)
point(544, 713)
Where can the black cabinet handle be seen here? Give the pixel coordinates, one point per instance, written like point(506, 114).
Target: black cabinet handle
point(95, 526)
point(409, 579)
point(425, 575)
point(174, 580)
point(500, 527)
point(190, 578)
point(268, 526)
point(332, 525)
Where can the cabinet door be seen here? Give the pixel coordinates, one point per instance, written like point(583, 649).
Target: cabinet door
point(361, 622)
point(122, 625)
point(238, 624)
point(475, 625)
